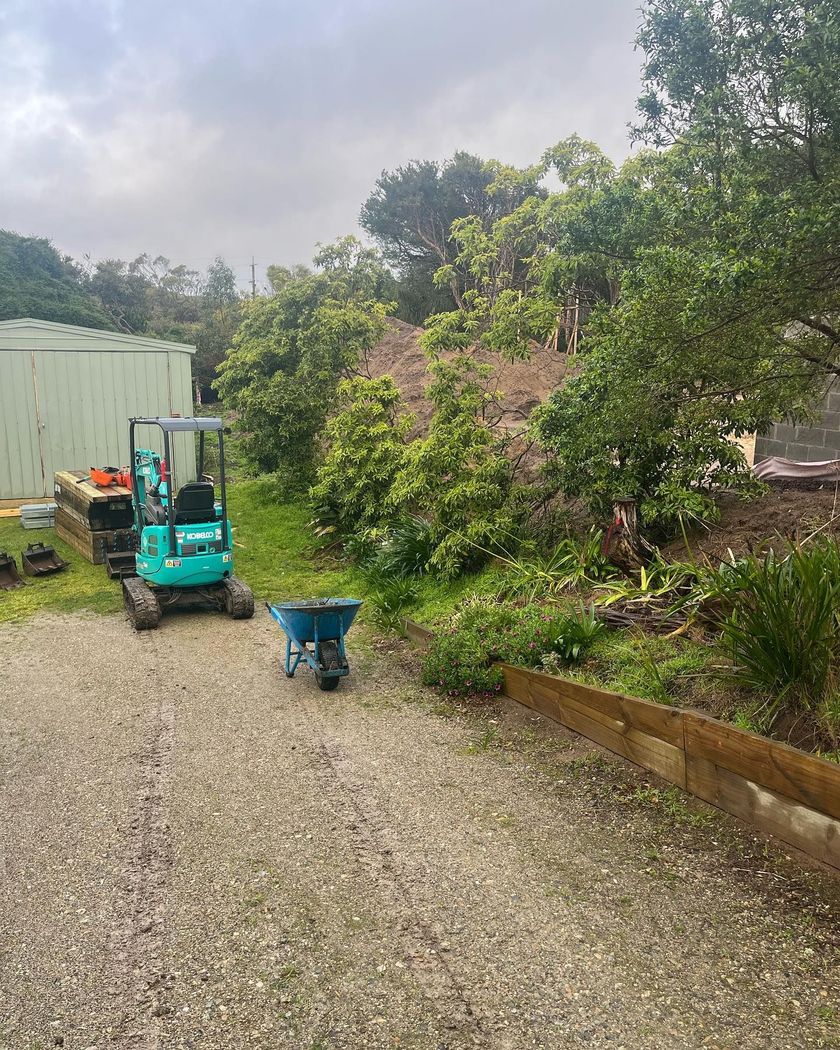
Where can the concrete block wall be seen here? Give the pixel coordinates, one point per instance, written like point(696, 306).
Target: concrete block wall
point(808, 444)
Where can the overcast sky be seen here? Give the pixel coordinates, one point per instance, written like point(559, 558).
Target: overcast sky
point(192, 128)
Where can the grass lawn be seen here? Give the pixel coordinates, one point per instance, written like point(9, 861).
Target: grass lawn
point(82, 586)
point(274, 553)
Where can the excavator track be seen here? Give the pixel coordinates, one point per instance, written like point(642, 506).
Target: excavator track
point(141, 604)
point(239, 601)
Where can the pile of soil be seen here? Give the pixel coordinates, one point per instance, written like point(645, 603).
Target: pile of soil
point(517, 386)
point(789, 512)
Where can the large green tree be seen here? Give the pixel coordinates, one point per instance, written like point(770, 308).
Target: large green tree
point(293, 349)
point(709, 264)
point(36, 281)
point(221, 314)
point(410, 214)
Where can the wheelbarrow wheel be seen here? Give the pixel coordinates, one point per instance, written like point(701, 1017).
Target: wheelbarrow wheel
point(327, 682)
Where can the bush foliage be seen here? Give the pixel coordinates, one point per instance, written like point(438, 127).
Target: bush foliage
point(365, 442)
point(459, 658)
point(783, 631)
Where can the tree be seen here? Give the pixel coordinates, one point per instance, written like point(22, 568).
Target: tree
point(365, 442)
point(280, 276)
point(458, 476)
point(123, 290)
point(290, 353)
point(36, 281)
point(708, 266)
point(221, 315)
point(219, 289)
point(731, 291)
point(531, 275)
point(410, 215)
point(754, 78)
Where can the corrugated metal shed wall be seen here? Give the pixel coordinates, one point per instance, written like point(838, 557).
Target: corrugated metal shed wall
point(20, 460)
point(83, 397)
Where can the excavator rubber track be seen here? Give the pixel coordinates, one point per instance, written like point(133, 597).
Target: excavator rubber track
point(141, 604)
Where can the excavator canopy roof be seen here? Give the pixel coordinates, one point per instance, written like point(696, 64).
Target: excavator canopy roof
point(176, 424)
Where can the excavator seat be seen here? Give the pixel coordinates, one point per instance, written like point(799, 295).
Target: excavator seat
point(195, 503)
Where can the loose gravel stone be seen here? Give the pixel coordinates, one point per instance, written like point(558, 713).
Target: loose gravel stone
point(197, 852)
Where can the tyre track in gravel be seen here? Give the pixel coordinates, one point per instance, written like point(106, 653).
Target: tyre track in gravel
point(373, 842)
point(347, 873)
point(137, 935)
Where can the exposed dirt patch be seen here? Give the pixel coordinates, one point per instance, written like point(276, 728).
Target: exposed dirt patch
point(787, 512)
point(201, 853)
point(518, 386)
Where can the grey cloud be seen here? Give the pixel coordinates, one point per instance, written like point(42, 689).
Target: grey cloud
point(192, 129)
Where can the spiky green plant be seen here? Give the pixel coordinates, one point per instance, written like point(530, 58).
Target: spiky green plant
point(574, 563)
point(407, 548)
point(783, 632)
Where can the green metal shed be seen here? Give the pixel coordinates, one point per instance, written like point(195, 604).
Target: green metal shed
point(66, 395)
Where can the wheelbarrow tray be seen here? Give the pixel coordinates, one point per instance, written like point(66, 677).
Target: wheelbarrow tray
point(9, 575)
point(39, 559)
point(322, 623)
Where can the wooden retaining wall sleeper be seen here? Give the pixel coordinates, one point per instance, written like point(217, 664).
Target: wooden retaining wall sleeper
point(781, 790)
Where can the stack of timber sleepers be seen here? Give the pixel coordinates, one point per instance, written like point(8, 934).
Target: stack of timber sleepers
point(92, 519)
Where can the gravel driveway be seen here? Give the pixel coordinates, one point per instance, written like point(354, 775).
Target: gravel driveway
point(196, 852)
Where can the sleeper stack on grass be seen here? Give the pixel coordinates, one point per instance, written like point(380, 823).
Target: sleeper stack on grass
point(92, 520)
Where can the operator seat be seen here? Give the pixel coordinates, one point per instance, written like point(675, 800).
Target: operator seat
point(195, 503)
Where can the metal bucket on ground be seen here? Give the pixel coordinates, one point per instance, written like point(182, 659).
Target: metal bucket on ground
point(9, 576)
point(120, 565)
point(40, 560)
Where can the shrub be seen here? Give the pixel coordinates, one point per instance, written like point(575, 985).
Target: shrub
point(573, 563)
point(457, 663)
point(407, 548)
point(460, 657)
point(388, 599)
point(365, 449)
point(287, 357)
point(659, 580)
point(458, 474)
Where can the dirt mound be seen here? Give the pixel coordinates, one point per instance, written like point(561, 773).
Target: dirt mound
point(518, 386)
point(787, 512)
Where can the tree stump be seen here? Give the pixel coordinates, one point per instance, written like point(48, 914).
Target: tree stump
point(623, 545)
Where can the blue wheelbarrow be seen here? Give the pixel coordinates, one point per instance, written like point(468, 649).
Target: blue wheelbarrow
point(323, 623)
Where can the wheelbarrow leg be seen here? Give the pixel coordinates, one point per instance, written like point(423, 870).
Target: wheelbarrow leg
point(289, 671)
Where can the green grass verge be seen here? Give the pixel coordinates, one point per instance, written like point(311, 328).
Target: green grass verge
point(82, 586)
point(274, 552)
point(667, 670)
point(437, 599)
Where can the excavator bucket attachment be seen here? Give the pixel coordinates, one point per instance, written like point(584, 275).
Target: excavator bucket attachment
point(40, 560)
point(120, 565)
point(9, 576)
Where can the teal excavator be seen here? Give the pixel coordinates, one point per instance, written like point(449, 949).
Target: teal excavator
point(184, 540)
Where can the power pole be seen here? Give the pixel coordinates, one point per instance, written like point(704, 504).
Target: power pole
point(253, 279)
